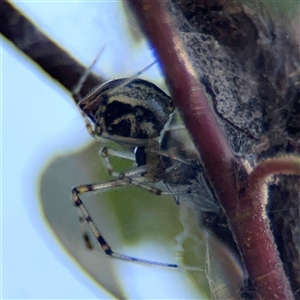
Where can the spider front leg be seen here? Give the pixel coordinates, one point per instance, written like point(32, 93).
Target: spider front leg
point(77, 89)
point(135, 172)
point(123, 180)
point(105, 152)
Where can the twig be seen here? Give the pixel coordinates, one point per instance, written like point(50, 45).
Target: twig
point(54, 60)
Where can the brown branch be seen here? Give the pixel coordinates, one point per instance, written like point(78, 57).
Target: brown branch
point(262, 263)
point(216, 154)
point(287, 165)
point(54, 60)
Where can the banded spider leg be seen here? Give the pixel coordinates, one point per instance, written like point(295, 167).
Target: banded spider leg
point(132, 177)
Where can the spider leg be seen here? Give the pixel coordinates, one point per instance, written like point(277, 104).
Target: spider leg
point(123, 179)
point(76, 92)
point(105, 152)
point(81, 189)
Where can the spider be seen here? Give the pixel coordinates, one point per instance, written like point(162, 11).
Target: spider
point(142, 118)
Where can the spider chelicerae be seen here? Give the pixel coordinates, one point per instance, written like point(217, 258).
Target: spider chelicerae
point(142, 118)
